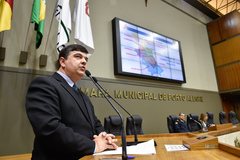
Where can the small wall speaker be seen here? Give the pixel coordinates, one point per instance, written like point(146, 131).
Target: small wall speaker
point(43, 60)
point(23, 57)
point(2, 53)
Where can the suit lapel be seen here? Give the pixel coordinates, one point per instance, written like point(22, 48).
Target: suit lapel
point(71, 91)
point(89, 111)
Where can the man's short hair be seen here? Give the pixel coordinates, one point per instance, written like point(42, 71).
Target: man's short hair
point(68, 49)
point(181, 113)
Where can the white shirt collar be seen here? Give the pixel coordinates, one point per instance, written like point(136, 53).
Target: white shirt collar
point(69, 81)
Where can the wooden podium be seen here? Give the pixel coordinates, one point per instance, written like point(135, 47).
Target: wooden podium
point(201, 142)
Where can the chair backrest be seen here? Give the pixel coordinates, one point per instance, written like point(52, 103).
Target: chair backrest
point(222, 118)
point(113, 124)
point(192, 125)
point(138, 122)
point(232, 117)
point(210, 118)
point(171, 119)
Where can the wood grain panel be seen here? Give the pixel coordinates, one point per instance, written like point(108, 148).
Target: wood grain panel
point(227, 51)
point(197, 144)
point(229, 77)
point(229, 25)
point(214, 32)
point(227, 104)
point(220, 126)
point(230, 149)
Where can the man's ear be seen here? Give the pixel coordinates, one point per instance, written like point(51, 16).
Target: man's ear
point(62, 62)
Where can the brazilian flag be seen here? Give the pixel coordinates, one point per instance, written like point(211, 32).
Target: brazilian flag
point(38, 17)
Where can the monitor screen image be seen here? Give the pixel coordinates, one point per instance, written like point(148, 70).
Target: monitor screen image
point(142, 53)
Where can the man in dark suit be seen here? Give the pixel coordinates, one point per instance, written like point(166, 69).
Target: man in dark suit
point(62, 117)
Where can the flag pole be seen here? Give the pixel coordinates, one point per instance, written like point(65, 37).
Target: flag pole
point(43, 57)
point(27, 32)
point(49, 33)
point(2, 35)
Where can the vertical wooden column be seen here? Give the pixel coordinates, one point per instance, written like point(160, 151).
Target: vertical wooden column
point(224, 34)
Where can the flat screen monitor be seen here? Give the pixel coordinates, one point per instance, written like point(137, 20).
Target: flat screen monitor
point(143, 53)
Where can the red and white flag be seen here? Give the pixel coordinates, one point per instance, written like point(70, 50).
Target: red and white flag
point(83, 30)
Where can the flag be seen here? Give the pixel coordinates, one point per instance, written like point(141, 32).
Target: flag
point(6, 9)
point(63, 15)
point(83, 31)
point(38, 17)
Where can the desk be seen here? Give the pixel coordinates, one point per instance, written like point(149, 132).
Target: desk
point(17, 157)
point(176, 138)
point(161, 152)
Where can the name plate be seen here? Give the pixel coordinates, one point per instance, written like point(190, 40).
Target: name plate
point(210, 146)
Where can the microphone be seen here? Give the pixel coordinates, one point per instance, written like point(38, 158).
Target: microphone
point(133, 121)
point(124, 147)
point(203, 130)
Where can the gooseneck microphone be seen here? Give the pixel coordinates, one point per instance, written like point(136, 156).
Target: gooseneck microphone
point(199, 125)
point(124, 146)
point(133, 121)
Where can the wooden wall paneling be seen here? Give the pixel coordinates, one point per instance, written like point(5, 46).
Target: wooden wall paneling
point(227, 103)
point(227, 51)
point(227, 107)
point(229, 25)
point(214, 32)
point(220, 82)
point(237, 111)
point(236, 16)
point(229, 77)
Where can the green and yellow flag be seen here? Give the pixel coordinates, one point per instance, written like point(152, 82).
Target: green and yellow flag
point(38, 17)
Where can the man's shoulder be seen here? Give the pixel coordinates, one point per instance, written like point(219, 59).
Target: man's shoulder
point(42, 78)
point(43, 81)
point(177, 121)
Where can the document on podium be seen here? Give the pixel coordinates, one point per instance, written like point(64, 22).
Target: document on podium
point(176, 148)
point(141, 148)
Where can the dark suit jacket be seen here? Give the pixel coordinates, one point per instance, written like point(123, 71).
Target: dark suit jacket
point(63, 129)
point(181, 126)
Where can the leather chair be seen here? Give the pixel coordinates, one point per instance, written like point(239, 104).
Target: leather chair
point(210, 119)
point(222, 118)
point(232, 117)
point(138, 123)
point(193, 124)
point(113, 124)
point(171, 119)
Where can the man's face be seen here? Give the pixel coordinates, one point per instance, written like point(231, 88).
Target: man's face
point(182, 116)
point(75, 65)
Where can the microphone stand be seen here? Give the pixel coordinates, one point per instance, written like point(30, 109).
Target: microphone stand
point(124, 148)
point(133, 121)
point(202, 131)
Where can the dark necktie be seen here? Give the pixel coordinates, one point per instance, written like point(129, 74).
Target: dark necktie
point(75, 87)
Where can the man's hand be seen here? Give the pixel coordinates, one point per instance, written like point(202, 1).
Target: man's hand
point(105, 141)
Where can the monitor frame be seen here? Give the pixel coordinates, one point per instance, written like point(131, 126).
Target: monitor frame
point(118, 60)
